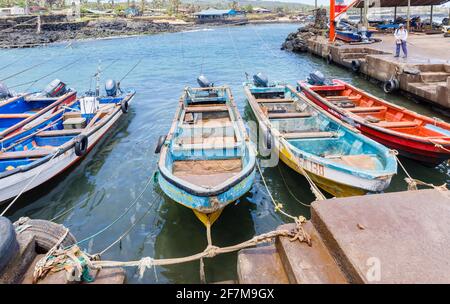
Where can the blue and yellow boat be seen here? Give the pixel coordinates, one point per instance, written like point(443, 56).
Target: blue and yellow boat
point(206, 160)
point(334, 155)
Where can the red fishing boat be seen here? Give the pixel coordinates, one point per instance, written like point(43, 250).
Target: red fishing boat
point(413, 135)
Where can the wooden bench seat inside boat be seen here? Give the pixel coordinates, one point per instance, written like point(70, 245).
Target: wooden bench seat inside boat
point(302, 135)
point(214, 141)
point(67, 132)
point(364, 162)
point(366, 109)
point(202, 109)
point(207, 173)
point(397, 124)
point(26, 154)
point(274, 100)
point(341, 98)
point(14, 115)
point(289, 115)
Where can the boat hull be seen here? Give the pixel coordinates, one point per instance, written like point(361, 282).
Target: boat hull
point(11, 186)
point(206, 208)
point(326, 178)
point(423, 151)
point(336, 182)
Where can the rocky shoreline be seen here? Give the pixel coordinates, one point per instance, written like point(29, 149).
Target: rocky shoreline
point(66, 31)
point(298, 41)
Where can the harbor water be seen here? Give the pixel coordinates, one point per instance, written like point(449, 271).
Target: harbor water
point(118, 173)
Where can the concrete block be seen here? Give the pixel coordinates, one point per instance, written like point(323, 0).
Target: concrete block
point(308, 265)
point(261, 265)
point(388, 238)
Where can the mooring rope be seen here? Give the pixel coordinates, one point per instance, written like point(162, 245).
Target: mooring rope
point(68, 259)
point(289, 190)
point(120, 216)
point(130, 228)
point(25, 70)
point(76, 205)
point(412, 182)
point(32, 82)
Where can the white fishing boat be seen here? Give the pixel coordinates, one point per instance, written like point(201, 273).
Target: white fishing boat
point(56, 144)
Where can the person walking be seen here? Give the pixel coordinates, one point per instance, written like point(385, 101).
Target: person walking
point(401, 35)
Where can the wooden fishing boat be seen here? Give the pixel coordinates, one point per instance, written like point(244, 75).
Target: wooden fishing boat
point(206, 160)
point(312, 142)
point(51, 146)
point(20, 112)
point(413, 135)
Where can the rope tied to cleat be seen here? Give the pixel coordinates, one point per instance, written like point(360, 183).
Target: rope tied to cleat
point(413, 183)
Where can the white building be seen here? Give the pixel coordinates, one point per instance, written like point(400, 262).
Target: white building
point(12, 11)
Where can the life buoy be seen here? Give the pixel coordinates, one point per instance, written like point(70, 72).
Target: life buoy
point(81, 145)
point(9, 247)
point(356, 65)
point(329, 58)
point(161, 141)
point(124, 106)
point(390, 86)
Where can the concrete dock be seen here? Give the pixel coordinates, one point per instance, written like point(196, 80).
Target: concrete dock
point(398, 237)
point(425, 74)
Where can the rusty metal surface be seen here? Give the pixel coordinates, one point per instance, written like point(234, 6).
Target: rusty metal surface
point(388, 238)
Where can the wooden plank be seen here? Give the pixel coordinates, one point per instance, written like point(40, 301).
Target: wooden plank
point(19, 115)
point(206, 109)
point(397, 124)
point(274, 100)
point(25, 154)
point(300, 135)
point(366, 109)
point(289, 115)
point(52, 133)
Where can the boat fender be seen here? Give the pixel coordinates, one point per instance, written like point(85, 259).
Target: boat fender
point(329, 58)
point(161, 141)
point(356, 65)
point(267, 138)
point(81, 145)
point(390, 86)
point(9, 247)
point(124, 106)
point(46, 234)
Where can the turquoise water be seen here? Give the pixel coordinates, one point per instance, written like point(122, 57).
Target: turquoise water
point(116, 172)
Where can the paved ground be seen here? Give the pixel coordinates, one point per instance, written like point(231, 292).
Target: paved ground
point(421, 48)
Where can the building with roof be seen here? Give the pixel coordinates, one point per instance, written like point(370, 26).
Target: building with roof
point(221, 16)
point(12, 11)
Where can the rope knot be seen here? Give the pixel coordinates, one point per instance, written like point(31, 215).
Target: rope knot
point(145, 263)
point(300, 234)
point(278, 207)
point(211, 251)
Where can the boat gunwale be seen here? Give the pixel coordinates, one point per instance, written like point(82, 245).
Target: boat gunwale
point(371, 174)
point(360, 120)
point(246, 171)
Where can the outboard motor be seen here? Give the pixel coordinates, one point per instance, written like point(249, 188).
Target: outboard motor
point(111, 88)
point(316, 78)
point(4, 91)
point(261, 80)
point(55, 88)
point(204, 82)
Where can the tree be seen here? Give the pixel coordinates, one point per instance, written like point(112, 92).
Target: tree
point(142, 7)
point(234, 5)
point(174, 6)
point(248, 8)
